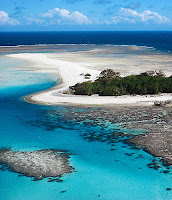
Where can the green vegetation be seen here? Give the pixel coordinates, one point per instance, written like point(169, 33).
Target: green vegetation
point(110, 83)
point(87, 74)
point(109, 73)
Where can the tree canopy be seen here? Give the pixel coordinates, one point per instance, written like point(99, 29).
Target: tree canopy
point(111, 84)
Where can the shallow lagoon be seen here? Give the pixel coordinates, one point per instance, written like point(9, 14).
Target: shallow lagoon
point(100, 172)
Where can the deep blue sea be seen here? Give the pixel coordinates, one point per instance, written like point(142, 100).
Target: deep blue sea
point(160, 39)
point(99, 172)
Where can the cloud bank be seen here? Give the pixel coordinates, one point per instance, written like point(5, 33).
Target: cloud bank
point(65, 16)
point(5, 19)
point(59, 16)
point(126, 15)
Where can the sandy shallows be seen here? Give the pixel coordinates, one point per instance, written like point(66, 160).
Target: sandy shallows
point(38, 164)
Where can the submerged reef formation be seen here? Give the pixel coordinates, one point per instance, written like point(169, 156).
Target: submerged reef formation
point(157, 143)
point(152, 126)
point(37, 164)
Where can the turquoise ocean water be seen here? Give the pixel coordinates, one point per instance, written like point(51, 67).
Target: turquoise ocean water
point(99, 172)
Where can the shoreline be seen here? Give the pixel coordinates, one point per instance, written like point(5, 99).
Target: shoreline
point(128, 100)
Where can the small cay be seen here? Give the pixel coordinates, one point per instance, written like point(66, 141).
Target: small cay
point(37, 164)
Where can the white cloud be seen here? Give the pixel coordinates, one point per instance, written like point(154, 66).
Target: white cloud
point(106, 22)
point(31, 20)
point(132, 16)
point(5, 19)
point(96, 21)
point(65, 16)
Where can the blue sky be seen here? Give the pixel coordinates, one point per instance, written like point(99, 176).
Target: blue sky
point(85, 15)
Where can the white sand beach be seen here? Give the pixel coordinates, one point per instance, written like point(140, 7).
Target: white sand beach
point(70, 72)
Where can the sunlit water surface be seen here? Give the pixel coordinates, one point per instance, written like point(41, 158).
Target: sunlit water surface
point(100, 173)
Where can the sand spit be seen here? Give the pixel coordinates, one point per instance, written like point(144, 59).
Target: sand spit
point(38, 164)
point(72, 73)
